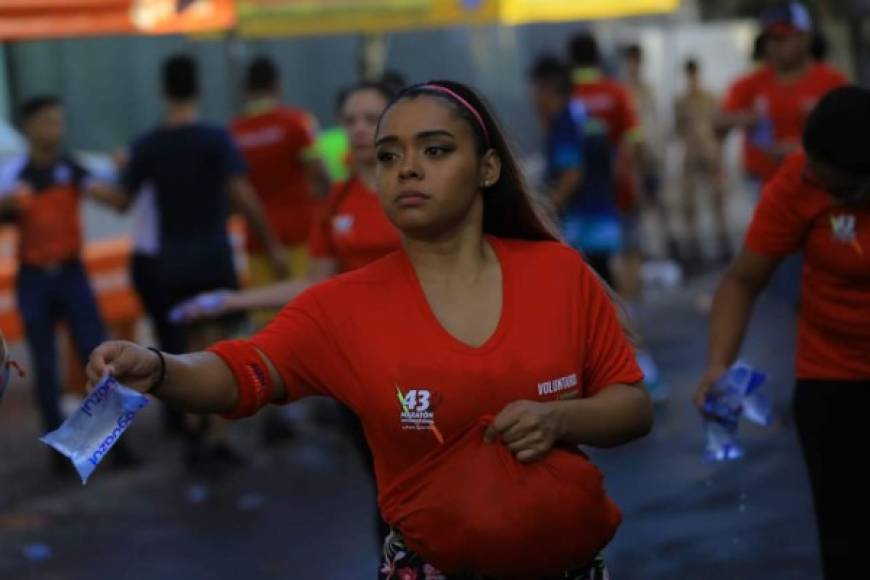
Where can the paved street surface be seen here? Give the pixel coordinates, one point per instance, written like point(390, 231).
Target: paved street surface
point(304, 510)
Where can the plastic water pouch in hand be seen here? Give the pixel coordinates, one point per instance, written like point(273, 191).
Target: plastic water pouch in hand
point(89, 433)
point(757, 404)
point(737, 393)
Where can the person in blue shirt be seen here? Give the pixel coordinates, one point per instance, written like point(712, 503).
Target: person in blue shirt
point(579, 172)
point(580, 175)
point(551, 93)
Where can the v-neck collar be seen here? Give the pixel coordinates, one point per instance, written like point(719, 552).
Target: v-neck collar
point(435, 325)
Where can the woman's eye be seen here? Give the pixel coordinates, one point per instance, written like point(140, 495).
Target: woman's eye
point(386, 156)
point(437, 151)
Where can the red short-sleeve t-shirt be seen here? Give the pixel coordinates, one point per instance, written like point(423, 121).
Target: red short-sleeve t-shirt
point(352, 228)
point(276, 144)
point(785, 104)
point(369, 339)
point(608, 102)
point(834, 323)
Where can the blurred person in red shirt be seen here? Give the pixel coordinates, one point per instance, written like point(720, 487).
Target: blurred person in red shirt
point(279, 147)
point(772, 102)
point(817, 203)
point(612, 121)
point(604, 226)
point(278, 144)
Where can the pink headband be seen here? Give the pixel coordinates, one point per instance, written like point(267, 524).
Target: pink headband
point(464, 103)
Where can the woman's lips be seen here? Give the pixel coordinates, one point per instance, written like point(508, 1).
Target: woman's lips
point(408, 199)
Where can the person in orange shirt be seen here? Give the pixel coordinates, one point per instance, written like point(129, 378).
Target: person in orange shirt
point(278, 144)
point(41, 193)
point(818, 203)
point(483, 317)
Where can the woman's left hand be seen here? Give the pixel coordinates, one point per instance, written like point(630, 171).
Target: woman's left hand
point(528, 428)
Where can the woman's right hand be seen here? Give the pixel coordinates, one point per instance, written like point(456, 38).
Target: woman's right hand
point(132, 365)
point(711, 376)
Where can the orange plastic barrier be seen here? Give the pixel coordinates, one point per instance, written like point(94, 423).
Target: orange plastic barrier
point(107, 264)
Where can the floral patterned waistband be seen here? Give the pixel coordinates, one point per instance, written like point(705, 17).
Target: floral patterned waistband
point(400, 563)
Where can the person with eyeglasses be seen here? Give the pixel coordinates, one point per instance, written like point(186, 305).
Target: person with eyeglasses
point(818, 203)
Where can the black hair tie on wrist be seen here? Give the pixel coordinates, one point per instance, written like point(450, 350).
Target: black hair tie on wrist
point(157, 384)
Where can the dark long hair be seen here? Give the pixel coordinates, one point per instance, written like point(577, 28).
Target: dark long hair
point(509, 208)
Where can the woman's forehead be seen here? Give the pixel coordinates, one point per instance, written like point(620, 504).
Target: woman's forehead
point(422, 114)
point(365, 99)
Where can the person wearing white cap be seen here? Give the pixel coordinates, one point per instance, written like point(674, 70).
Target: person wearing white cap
point(773, 101)
point(771, 105)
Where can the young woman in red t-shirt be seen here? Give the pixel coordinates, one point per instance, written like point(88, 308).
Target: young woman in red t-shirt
point(483, 320)
point(818, 203)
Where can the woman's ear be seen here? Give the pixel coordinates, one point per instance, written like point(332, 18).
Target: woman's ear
point(490, 169)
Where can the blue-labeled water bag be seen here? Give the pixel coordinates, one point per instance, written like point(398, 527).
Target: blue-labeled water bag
point(89, 433)
point(737, 393)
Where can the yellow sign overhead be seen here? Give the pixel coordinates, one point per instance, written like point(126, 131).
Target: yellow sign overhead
point(259, 18)
point(263, 18)
point(528, 11)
